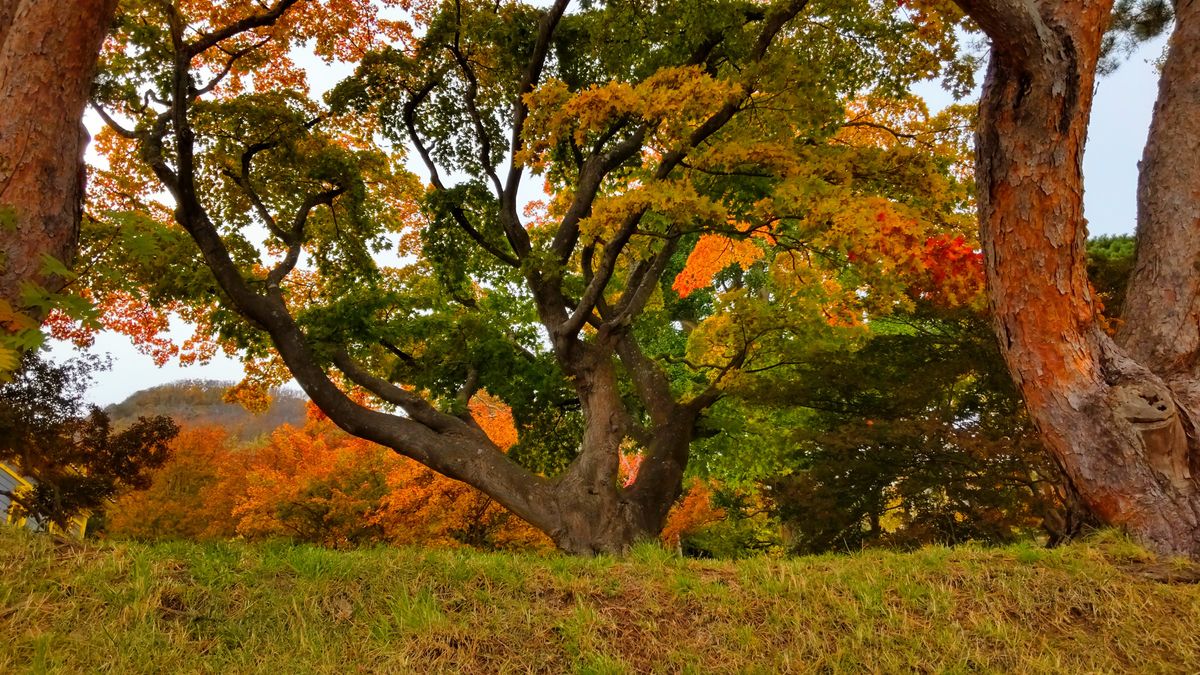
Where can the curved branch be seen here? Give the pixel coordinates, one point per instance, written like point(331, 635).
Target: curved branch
point(416, 407)
point(113, 124)
point(533, 74)
point(459, 454)
point(1015, 27)
point(296, 235)
point(409, 115)
point(485, 143)
point(234, 57)
point(208, 40)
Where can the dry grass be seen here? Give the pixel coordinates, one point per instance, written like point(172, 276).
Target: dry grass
point(130, 608)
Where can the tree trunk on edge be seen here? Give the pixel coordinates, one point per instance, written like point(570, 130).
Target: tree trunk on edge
point(1120, 415)
point(48, 52)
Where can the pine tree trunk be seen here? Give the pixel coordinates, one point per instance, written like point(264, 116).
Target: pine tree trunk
point(1120, 421)
point(47, 55)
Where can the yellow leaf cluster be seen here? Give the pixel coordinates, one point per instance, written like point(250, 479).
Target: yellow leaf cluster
point(675, 201)
point(672, 102)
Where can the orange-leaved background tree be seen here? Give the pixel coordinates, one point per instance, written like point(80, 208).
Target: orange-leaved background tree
point(318, 484)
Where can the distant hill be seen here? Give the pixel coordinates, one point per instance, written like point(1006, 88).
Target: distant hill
point(199, 403)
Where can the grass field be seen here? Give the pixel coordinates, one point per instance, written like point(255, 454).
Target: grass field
point(282, 609)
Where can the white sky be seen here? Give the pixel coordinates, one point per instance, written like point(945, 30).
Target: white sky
point(1120, 121)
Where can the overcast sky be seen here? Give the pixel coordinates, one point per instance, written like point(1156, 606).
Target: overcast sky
point(1120, 120)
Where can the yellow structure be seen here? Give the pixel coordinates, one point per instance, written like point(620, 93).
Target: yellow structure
point(12, 482)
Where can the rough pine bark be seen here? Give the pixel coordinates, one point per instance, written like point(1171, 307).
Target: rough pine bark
point(1118, 414)
point(48, 52)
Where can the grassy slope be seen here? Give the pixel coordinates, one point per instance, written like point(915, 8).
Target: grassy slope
point(235, 607)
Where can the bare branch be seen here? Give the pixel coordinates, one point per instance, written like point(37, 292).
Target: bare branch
point(517, 236)
point(113, 124)
point(295, 237)
point(233, 58)
point(595, 170)
point(644, 278)
point(654, 389)
point(467, 390)
point(485, 143)
point(243, 181)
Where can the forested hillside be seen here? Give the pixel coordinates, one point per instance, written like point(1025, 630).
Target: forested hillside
point(195, 403)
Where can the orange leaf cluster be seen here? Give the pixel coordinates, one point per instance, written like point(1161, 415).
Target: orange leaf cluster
point(946, 269)
point(955, 270)
point(495, 418)
point(713, 253)
point(337, 30)
point(146, 325)
point(627, 470)
point(191, 497)
point(690, 514)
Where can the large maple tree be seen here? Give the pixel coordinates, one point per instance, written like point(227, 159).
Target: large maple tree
point(726, 184)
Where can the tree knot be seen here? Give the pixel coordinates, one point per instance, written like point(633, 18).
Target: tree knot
point(1150, 408)
point(1146, 405)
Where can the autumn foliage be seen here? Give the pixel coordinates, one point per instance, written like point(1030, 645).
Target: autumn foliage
point(712, 254)
point(714, 211)
point(320, 485)
point(691, 513)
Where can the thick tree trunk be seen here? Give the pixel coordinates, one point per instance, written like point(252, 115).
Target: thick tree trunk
point(1120, 422)
point(597, 514)
point(48, 51)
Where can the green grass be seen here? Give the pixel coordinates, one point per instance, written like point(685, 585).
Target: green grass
point(276, 608)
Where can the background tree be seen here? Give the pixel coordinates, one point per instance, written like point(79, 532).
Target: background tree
point(1118, 411)
point(76, 459)
point(317, 484)
point(907, 435)
point(191, 496)
point(926, 443)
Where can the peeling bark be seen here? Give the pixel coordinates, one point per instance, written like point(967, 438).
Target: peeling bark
point(47, 56)
point(1118, 417)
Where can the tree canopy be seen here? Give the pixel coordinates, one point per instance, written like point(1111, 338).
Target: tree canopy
point(726, 189)
point(661, 235)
